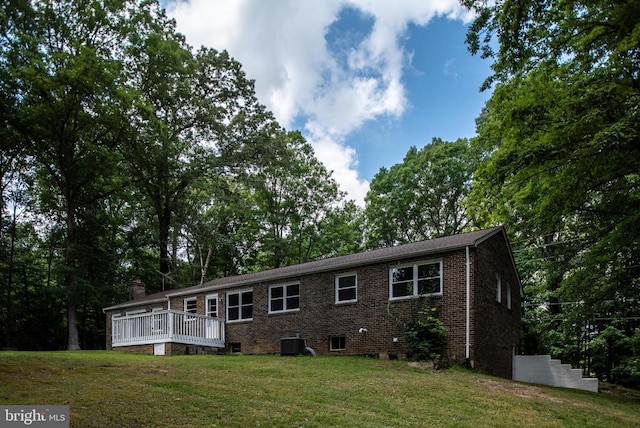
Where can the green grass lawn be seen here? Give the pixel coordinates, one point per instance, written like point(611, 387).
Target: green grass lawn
point(112, 389)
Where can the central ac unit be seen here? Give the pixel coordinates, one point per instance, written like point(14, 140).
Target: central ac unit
point(292, 346)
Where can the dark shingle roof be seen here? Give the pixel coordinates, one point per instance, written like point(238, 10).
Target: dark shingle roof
point(420, 248)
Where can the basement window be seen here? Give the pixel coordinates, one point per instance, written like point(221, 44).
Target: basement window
point(338, 343)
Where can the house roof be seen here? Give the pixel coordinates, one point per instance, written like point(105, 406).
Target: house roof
point(418, 249)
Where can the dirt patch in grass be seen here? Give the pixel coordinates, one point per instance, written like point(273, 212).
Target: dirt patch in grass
point(619, 391)
point(517, 390)
point(425, 365)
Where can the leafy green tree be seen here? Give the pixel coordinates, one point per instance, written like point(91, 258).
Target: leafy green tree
point(423, 196)
point(68, 106)
point(293, 198)
point(195, 114)
point(561, 159)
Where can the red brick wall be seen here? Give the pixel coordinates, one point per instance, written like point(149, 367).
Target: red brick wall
point(136, 349)
point(320, 318)
point(497, 328)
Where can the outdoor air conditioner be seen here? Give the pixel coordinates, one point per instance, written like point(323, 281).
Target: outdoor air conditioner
point(292, 346)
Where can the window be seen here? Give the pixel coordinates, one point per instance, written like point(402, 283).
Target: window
point(158, 320)
point(338, 343)
point(284, 298)
point(415, 280)
point(240, 305)
point(508, 296)
point(191, 305)
point(212, 306)
point(498, 288)
point(346, 288)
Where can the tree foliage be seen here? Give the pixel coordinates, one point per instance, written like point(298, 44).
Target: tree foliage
point(62, 64)
point(561, 157)
point(126, 153)
point(422, 197)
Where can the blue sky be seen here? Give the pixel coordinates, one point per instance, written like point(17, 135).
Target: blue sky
point(363, 80)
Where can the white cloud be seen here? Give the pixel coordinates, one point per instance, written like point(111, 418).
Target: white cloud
point(450, 68)
point(283, 46)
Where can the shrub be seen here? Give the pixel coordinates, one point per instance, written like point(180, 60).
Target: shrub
point(426, 336)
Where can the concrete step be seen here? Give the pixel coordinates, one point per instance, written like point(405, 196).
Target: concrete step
point(543, 370)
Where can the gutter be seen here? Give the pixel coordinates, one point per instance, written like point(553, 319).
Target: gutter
point(468, 306)
point(134, 303)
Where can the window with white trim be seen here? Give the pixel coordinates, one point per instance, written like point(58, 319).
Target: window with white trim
point(417, 279)
point(508, 296)
point(158, 320)
point(346, 288)
point(498, 288)
point(191, 305)
point(337, 343)
point(284, 298)
point(211, 305)
point(240, 305)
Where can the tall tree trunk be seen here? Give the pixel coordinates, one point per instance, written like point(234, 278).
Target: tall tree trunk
point(554, 280)
point(164, 221)
point(9, 321)
point(70, 277)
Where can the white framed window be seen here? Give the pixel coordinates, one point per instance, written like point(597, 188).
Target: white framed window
point(508, 296)
point(337, 343)
point(416, 279)
point(240, 305)
point(346, 288)
point(211, 305)
point(284, 298)
point(498, 288)
point(191, 305)
point(159, 320)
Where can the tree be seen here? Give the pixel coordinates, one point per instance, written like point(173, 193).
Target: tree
point(294, 197)
point(194, 114)
point(561, 155)
point(63, 62)
point(422, 197)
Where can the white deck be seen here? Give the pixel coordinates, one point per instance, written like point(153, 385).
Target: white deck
point(167, 326)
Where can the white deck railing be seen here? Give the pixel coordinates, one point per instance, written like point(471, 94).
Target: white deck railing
point(167, 326)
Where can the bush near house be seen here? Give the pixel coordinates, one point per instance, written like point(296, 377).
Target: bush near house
point(426, 336)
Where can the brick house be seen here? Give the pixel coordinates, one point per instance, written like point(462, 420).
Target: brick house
point(348, 305)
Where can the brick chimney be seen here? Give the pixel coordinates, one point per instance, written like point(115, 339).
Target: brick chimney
point(136, 289)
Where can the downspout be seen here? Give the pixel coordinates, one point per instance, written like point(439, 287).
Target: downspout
point(468, 307)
